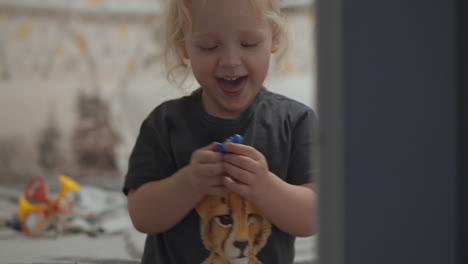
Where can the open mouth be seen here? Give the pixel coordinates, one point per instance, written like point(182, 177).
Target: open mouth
point(232, 85)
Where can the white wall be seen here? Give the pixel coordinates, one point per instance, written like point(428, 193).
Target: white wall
point(51, 52)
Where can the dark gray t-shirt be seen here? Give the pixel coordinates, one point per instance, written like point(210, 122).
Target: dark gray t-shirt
point(280, 128)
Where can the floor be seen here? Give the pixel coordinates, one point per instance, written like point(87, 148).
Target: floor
point(110, 240)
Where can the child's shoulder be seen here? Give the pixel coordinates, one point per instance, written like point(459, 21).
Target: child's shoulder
point(173, 107)
point(284, 103)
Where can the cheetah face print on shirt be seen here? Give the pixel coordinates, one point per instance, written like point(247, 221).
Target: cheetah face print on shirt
point(232, 229)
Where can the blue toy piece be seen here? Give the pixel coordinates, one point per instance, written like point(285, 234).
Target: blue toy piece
point(234, 139)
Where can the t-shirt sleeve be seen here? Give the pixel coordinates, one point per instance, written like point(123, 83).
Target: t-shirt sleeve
point(303, 161)
point(150, 158)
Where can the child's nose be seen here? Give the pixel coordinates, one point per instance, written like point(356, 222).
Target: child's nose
point(230, 57)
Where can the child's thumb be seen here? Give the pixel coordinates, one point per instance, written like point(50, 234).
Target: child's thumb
point(211, 146)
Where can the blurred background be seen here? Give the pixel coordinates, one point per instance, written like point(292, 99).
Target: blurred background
point(78, 77)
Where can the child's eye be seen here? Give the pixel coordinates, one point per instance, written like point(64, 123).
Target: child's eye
point(208, 48)
point(248, 45)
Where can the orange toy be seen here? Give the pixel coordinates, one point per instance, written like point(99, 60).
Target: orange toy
point(36, 211)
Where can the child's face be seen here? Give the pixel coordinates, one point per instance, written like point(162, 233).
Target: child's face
point(229, 52)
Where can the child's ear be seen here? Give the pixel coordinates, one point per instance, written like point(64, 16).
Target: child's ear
point(183, 51)
point(275, 42)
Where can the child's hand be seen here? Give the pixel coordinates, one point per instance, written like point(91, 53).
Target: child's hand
point(207, 170)
point(247, 169)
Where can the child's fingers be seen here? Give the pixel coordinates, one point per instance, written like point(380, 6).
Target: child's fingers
point(217, 190)
point(211, 146)
point(213, 181)
point(243, 150)
point(205, 182)
point(239, 174)
point(206, 155)
point(240, 161)
point(236, 187)
point(210, 169)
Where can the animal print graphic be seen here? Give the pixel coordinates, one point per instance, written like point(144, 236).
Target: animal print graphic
point(232, 229)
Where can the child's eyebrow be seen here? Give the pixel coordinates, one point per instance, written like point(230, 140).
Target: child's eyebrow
point(251, 32)
point(247, 32)
point(203, 35)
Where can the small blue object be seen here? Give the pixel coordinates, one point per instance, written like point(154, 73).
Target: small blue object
point(234, 139)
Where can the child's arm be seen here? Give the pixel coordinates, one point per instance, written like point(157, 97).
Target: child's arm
point(290, 207)
point(157, 206)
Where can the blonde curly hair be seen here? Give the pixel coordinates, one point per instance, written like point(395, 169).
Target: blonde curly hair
point(178, 24)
